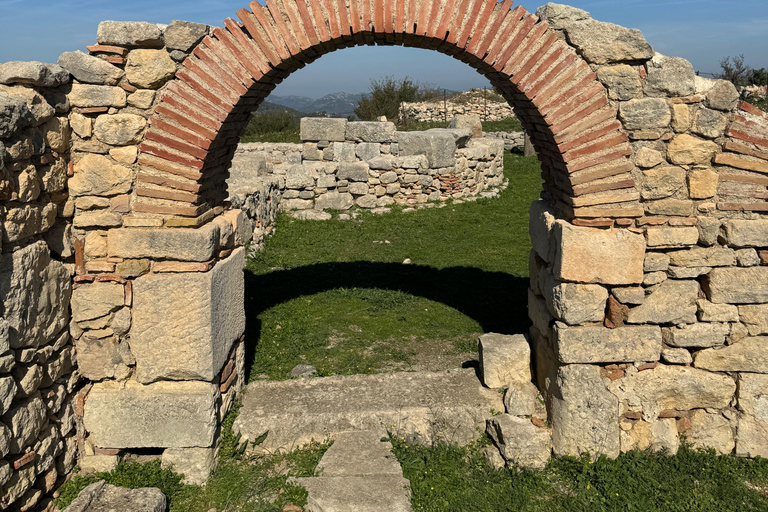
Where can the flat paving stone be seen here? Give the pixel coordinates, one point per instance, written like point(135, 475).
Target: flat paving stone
point(423, 407)
point(383, 493)
point(359, 454)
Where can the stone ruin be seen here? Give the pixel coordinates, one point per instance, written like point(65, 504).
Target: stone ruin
point(122, 284)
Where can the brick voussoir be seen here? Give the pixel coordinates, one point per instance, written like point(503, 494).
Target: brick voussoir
point(590, 136)
point(592, 187)
point(256, 67)
point(307, 23)
point(182, 133)
point(742, 134)
point(745, 150)
point(276, 17)
point(478, 17)
point(600, 171)
point(545, 82)
point(498, 42)
point(456, 25)
point(215, 75)
point(170, 195)
point(441, 30)
point(232, 75)
point(581, 80)
point(536, 57)
point(617, 139)
point(344, 24)
point(559, 110)
point(191, 123)
point(166, 153)
point(193, 98)
point(163, 181)
point(332, 31)
point(164, 165)
point(522, 29)
point(246, 43)
point(166, 139)
point(264, 18)
point(290, 9)
point(575, 130)
point(589, 108)
point(520, 54)
point(614, 153)
point(526, 79)
point(480, 46)
point(203, 88)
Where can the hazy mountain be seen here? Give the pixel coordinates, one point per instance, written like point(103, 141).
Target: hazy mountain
point(337, 103)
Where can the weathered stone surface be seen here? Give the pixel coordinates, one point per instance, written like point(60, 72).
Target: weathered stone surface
point(470, 122)
point(688, 150)
point(722, 95)
point(334, 201)
point(709, 312)
point(195, 464)
point(382, 163)
point(679, 388)
point(323, 129)
point(367, 201)
point(32, 73)
point(7, 394)
point(83, 95)
point(670, 206)
point(709, 123)
point(647, 157)
point(753, 424)
point(710, 431)
point(623, 81)
point(702, 183)
point(163, 414)
point(25, 419)
point(656, 262)
point(81, 125)
point(299, 177)
point(353, 171)
point(56, 133)
point(184, 35)
point(520, 398)
point(96, 175)
point(103, 497)
point(89, 69)
point(370, 131)
point(669, 76)
point(20, 481)
point(630, 295)
point(584, 413)
point(662, 181)
point(674, 302)
point(365, 151)
point(747, 233)
point(681, 117)
point(130, 33)
point(574, 303)
point(94, 300)
point(755, 317)
point(737, 285)
point(560, 16)
point(208, 316)
point(28, 220)
point(540, 224)
point(520, 442)
point(504, 358)
point(701, 335)
point(748, 355)
point(14, 115)
point(36, 104)
point(703, 257)
point(149, 69)
point(142, 98)
point(99, 359)
point(665, 236)
point(119, 129)
point(34, 295)
point(185, 244)
point(605, 43)
point(438, 146)
point(598, 344)
point(645, 114)
point(657, 435)
point(588, 255)
point(676, 356)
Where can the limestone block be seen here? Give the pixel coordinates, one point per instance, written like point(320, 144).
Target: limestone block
point(81, 125)
point(25, 420)
point(28, 378)
point(365, 151)
point(40, 109)
point(753, 423)
point(623, 81)
point(95, 175)
point(680, 388)
point(196, 464)
point(89, 69)
point(538, 312)
point(28, 220)
point(95, 300)
point(184, 244)
point(688, 150)
point(470, 122)
point(119, 129)
point(56, 132)
point(34, 296)
point(560, 16)
point(647, 157)
point(589, 255)
point(605, 43)
point(702, 183)
point(242, 226)
point(645, 114)
point(14, 115)
point(353, 171)
point(673, 302)
point(142, 98)
point(370, 131)
point(195, 341)
point(656, 262)
point(631, 295)
point(669, 76)
point(316, 129)
point(504, 359)
point(748, 355)
point(662, 181)
point(33, 73)
point(670, 206)
point(382, 163)
point(91, 464)
point(755, 317)
point(701, 335)
point(99, 359)
point(681, 117)
point(101, 496)
point(657, 435)
point(747, 233)
point(598, 344)
point(358, 189)
point(574, 303)
point(584, 413)
point(709, 123)
point(438, 146)
point(97, 219)
point(149, 69)
point(130, 33)
point(735, 285)
point(722, 95)
point(334, 201)
point(520, 398)
point(84, 95)
point(676, 356)
point(540, 224)
point(703, 257)
point(710, 431)
point(163, 414)
point(183, 35)
point(19, 483)
point(7, 394)
point(709, 312)
point(667, 236)
point(520, 442)
point(299, 177)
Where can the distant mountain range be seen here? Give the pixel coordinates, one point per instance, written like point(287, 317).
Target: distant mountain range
point(338, 103)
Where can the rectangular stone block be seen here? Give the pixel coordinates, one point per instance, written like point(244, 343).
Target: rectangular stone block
point(753, 423)
point(589, 255)
point(747, 233)
point(755, 317)
point(323, 128)
point(185, 244)
point(748, 355)
point(541, 218)
point(370, 131)
point(671, 236)
point(438, 147)
point(701, 335)
point(573, 303)
point(184, 324)
point(159, 415)
point(598, 344)
point(737, 285)
point(703, 257)
point(504, 359)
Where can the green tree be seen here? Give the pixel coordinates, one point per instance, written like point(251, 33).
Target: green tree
point(759, 77)
point(735, 70)
point(385, 97)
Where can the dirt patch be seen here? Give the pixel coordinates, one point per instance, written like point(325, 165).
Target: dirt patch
point(431, 355)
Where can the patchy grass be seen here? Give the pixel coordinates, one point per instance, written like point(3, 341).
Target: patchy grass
point(336, 294)
point(510, 124)
point(240, 482)
point(447, 478)
point(761, 103)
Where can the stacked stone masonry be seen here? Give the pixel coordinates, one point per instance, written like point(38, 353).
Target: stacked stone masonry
point(648, 277)
point(439, 111)
point(367, 165)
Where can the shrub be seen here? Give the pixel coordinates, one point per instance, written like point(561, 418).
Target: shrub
point(388, 93)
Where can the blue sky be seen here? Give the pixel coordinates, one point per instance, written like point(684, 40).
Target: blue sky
point(702, 31)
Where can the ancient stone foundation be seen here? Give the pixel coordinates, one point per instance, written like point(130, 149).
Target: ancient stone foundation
point(122, 287)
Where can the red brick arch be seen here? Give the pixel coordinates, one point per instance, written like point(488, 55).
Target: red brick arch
point(196, 125)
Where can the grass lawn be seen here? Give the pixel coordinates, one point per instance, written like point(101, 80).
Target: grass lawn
point(336, 294)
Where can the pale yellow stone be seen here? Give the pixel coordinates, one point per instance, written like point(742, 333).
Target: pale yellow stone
point(688, 150)
point(149, 69)
point(681, 118)
point(125, 155)
point(81, 125)
point(702, 183)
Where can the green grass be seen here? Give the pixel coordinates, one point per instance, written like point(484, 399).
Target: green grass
point(240, 482)
point(336, 294)
point(761, 103)
point(447, 478)
point(290, 135)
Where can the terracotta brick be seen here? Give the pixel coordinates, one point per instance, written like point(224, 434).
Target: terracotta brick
point(70, 169)
point(609, 142)
point(170, 195)
point(266, 22)
point(127, 87)
point(182, 133)
point(747, 107)
point(212, 74)
point(547, 80)
point(743, 135)
point(182, 266)
point(218, 51)
point(743, 207)
point(526, 78)
point(154, 134)
point(117, 61)
point(390, 24)
point(751, 124)
point(593, 223)
point(590, 108)
point(591, 188)
point(224, 387)
point(243, 52)
point(160, 151)
point(478, 46)
point(590, 136)
point(79, 246)
point(290, 8)
point(306, 22)
point(206, 88)
point(226, 372)
point(474, 16)
point(24, 460)
point(763, 257)
point(93, 110)
point(285, 34)
point(186, 122)
point(745, 150)
point(748, 179)
point(99, 266)
point(600, 171)
point(570, 88)
point(456, 24)
point(572, 132)
point(572, 103)
point(103, 48)
point(354, 16)
point(423, 12)
point(445, 20)
point(733, 160)
point(521, 53)
point(590, 212)
point(498, 42)
point(332, 31)
point(344, 23)
point(181, 211)
point(522, 31)
point(537, 56)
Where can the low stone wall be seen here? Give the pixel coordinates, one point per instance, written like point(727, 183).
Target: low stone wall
point(437, 111)
point(38, 375)
point(512, 140)
point(344, 165)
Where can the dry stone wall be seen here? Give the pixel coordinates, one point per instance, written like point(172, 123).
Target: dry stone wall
point(439, 111)
point(365, 165)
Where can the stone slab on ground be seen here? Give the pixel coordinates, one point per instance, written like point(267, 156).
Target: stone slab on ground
point(386, 493)
point(449, 405)
point(103, 497)
point(359, 453)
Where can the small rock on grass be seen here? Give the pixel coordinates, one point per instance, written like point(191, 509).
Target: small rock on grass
point(303, 370)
